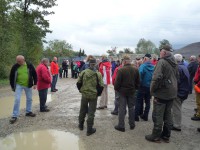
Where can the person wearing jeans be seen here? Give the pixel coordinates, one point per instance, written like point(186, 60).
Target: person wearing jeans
point(146, 72)
point(44, 82)
point(54, 73)
point(22, 77)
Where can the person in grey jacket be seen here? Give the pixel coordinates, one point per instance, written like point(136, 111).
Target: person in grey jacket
point(164, 89)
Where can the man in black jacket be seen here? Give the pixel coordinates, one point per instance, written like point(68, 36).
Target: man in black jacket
point(22, 77)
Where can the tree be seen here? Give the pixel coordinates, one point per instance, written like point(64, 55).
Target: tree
point(145, 46)
point(112, 51)
point(59, 48)
point(80, 53)
point(32, 25)
point(128, 51)
point(6, 55)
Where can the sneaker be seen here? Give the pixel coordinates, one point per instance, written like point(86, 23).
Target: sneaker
point(53, 90)
point(152, 138)
point(13, 120)
point(105, 107)
point(195, 118)
point(198, 129)
point(30, 114)
point(114, 113)
point(56, 89)
point(91, 131)
point(45, 110)
point(175, 129)
point(119, 129)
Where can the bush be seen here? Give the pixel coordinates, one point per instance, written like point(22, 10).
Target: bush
point(4, 71)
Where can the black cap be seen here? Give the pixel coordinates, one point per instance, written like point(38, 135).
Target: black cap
point(147, 55)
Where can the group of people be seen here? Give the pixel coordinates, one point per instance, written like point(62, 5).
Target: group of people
point(168, 80)
point(23, 76)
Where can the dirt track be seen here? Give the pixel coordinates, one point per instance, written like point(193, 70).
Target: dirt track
point(64, 117)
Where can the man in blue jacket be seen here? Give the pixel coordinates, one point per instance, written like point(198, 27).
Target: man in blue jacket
point(146, 73)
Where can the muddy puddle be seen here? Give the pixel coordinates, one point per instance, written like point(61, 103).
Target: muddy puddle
point(42, 140)
point(7, 103)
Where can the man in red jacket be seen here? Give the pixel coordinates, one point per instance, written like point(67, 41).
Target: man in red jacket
point(196, 117)
point(44, 82)
point(54, 73)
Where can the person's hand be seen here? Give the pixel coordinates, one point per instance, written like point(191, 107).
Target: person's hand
point(34, 87)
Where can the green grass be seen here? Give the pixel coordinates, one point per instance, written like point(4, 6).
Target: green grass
point(4, 82)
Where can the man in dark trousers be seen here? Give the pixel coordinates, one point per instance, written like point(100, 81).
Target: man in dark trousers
point(88, 78)
point(164, 89)
point(126, 83)
point(65, 68)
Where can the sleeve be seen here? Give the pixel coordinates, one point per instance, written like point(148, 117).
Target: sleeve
point(12, 77)
point(137, 79)
point(114, 76)
point(52, 68)
point(197, 77)
point(100, 79)
point(118, 81)
point(34, 75)
point(45, 75)
point(157, 77)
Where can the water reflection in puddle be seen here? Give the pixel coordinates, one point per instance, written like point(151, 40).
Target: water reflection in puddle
point(42, 140)
point(7, 103)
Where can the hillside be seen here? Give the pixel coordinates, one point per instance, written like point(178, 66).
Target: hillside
point(191, 49)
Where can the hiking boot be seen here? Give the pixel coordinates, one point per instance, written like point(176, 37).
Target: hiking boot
point(119, 129)
point(114, 113)
point(132, 127)
point(13, 120)
point(165, 139)
point(45, 110)
point(98, 108)
point(152, 138)
point(195, 118)
point(137, 118)
point(144, 117)
point(80, 126)
point(91, 131)
point(175, 129)
point(30, 114)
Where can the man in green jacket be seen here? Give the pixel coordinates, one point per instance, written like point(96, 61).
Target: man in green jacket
point(164, 89)
point(88, 78)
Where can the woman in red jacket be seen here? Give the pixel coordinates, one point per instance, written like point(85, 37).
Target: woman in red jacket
point(44, 82)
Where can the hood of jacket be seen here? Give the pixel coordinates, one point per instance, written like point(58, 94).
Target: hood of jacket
point(171, 60)
point(106, 63)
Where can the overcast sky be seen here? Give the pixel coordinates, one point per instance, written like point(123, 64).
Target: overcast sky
point(98, 25)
